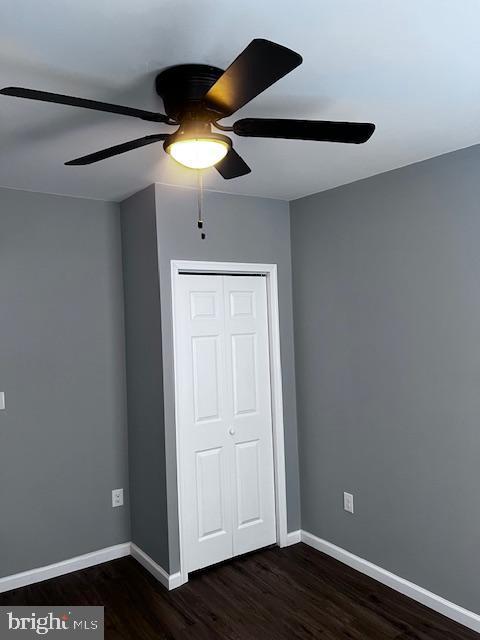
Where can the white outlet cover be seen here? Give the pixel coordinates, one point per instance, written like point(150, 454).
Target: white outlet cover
point(117, 498)
point(2, 400)
point(348, 502)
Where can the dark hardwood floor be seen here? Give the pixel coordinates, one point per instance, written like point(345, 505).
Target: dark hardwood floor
point(274, 594)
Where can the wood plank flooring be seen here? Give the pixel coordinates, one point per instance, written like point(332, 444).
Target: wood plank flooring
point(273, 594)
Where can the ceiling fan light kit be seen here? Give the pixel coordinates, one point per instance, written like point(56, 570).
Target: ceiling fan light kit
point(198, 153)
point(195, 146)
point(197, 96)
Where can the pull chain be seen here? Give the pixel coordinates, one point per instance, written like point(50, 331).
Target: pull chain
point(200, 222)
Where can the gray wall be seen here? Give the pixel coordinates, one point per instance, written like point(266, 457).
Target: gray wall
point(146, 434)
point(239, 229)
point(63, 435)
point(386, 277)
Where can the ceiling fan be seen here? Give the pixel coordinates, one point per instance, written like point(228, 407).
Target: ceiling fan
point(197, 96)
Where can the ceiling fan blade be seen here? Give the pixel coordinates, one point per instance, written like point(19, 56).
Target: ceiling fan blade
point(118, 149)
point(57, 98)
point(321, 130)
point(258, 66)
point(232, 166)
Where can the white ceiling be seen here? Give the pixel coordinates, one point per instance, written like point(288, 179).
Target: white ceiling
point(410, 66)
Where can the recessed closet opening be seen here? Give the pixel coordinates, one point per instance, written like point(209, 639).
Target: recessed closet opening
point(228, 410)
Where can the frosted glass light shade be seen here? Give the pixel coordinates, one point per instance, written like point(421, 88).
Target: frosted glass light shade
point(198, 153)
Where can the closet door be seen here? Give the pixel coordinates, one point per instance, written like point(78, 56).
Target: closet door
point(207, 454)
point(249, 410)
point(224, 416)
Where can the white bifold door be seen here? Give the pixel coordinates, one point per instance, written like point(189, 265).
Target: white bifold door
point(224, 416)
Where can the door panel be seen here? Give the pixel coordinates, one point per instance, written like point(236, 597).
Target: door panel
point(224, 414)
point(244, 373)
point(203, 420)
point(242, 304)
point(247, 462)
point(203, 304)
point(248, 392)
point(210, 513)
point(206, 381)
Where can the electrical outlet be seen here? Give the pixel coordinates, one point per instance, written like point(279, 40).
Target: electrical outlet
point(348, 502)
point(117, 498)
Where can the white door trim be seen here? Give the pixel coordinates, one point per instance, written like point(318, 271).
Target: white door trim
point(270, 271)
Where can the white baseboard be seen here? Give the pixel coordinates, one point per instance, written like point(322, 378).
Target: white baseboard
point(89, 560)
point(169, 581)
point(65, 566)
point(427, 598)
point(294, 537)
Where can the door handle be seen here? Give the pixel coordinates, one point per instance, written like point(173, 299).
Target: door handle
point(231, 431)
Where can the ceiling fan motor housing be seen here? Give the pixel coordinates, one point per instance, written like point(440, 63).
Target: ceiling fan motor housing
point(183, 89)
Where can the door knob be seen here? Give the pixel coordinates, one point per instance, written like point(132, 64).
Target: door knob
point(231, 431)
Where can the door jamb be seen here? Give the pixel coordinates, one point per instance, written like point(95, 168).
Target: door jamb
point(270, 271)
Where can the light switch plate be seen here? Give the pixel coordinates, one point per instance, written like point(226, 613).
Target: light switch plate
point(348, 502)
point(117, 498)
point(2, 400)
